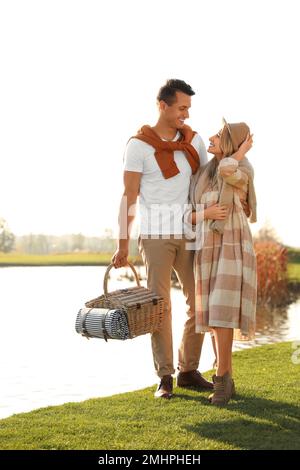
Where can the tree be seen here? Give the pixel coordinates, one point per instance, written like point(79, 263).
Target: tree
point(7, 238)
point(267, 233)
point(78, 242)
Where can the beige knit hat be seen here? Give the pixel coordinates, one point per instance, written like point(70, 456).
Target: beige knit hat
point(237, 132)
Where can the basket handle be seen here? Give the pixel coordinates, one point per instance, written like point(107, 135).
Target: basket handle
point(110, 266)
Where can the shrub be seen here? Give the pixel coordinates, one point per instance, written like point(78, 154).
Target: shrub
point(272, 259)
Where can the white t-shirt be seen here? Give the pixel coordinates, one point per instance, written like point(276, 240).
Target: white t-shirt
point(161, 200)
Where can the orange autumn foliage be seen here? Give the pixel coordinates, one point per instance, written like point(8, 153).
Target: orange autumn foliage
point(272, 262)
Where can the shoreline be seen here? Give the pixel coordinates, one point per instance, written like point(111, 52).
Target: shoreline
point(63, 259)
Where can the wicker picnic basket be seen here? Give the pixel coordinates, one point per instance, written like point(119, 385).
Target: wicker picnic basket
point(143, 308)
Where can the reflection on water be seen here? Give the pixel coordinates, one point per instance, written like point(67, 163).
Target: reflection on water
point(272, 323)
point(281, 324)
point(44, 362)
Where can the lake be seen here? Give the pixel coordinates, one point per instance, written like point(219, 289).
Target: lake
point(43, 361)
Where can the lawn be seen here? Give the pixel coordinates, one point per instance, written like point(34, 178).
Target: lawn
point(265, 414)
point(65, 259)
point(92, 259)
point(294, 272)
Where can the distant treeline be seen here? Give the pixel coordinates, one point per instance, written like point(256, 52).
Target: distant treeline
point(294, 255)
point(42, 244)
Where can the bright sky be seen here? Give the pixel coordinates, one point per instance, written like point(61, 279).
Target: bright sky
point(78, 78)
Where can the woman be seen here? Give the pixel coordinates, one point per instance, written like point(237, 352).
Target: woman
point(225, 264)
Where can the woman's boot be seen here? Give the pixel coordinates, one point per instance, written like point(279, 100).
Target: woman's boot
point(224, 389)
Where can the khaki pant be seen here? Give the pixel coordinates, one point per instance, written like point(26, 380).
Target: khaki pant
point(160, 256)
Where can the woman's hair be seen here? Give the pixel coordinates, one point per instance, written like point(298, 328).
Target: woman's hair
point(231, 137)
point(226, 146)
point(226, 143)
point(212, 168)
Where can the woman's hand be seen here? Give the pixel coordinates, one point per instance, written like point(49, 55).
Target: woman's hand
point(244, 148)
point(215, 212)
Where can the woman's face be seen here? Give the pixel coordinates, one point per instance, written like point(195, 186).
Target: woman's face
point(214, 145)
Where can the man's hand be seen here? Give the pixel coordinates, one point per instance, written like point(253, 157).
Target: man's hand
point(126, 215)
point(120, 258)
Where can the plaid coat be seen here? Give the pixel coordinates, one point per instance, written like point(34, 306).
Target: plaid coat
point(225, 265)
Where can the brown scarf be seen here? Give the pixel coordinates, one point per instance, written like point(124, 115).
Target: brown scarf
point(164, 150)
point(226, 195)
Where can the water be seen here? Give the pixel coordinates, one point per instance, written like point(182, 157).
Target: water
point(44, 362)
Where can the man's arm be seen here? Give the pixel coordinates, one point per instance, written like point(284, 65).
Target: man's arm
point(202, 152)
point(132, 182)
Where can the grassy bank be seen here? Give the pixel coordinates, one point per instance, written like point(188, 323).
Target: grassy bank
point(94, 259)
point(294, 271)
point(66, 259)
point(294, 264)
point(264, 415)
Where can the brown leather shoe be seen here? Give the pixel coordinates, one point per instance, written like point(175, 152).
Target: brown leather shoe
point(193, 378)
point(165, 387)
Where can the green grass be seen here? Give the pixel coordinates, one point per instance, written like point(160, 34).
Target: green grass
point(66, 259)
point(264, 415)
point(294, 264)
point(294, 272)
point(89, 259)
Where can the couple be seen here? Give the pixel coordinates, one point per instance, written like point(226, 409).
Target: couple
point(166, 166)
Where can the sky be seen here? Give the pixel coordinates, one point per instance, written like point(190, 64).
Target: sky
point(78, 78)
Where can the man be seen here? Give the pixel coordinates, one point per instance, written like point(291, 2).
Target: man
point(159, 162)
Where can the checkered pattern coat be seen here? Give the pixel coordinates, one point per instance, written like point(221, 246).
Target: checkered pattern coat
point(225, 265)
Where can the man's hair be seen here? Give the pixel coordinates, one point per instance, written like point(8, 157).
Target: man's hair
point(167, 92)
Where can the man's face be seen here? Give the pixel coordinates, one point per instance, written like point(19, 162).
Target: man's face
point(176, 114)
